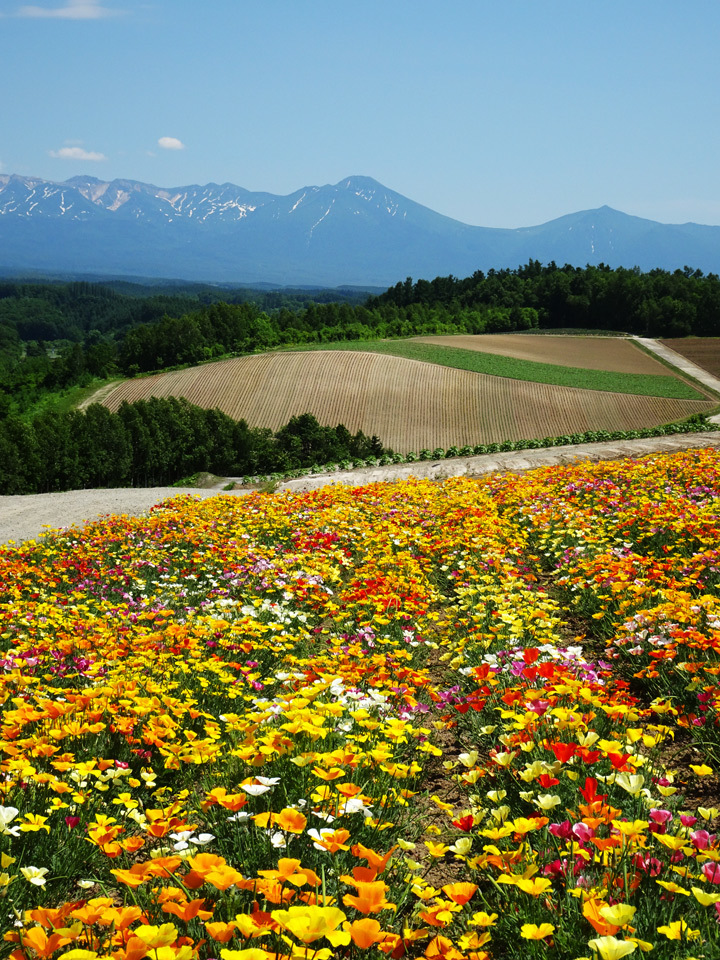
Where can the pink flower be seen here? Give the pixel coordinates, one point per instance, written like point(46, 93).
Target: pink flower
point(650, 865)
point(701, 839)
point(561, 830)
point(711, 872)
point(660, 816)
point(539, 706)
point(583, 832)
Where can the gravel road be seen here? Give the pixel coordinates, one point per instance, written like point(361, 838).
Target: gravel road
point(29, 517)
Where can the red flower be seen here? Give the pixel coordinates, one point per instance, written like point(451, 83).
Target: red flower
point(466, 823)
point(589, 791)
point(563, 751)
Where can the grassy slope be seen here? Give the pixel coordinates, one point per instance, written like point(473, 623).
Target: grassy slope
point(638, 384)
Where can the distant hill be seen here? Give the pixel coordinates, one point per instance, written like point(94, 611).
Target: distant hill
point(353, 232)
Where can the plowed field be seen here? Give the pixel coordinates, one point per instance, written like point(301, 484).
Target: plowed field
point(704, 351)
point(590, 353)
point(408, 404)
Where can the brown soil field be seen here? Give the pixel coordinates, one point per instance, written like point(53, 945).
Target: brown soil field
point(589, 353)
point(410, 405)
point(704, 351)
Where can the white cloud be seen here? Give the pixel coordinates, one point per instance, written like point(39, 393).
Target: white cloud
point(171, 143)
point(76, 153)
point(73, 10)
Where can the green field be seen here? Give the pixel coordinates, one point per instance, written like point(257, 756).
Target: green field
point(636, 384)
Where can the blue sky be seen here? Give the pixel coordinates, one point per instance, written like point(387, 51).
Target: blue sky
point(505, 113)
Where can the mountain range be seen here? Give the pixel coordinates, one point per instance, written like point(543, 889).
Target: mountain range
point(355, 232)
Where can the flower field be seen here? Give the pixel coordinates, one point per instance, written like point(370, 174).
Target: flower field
point(472, 719)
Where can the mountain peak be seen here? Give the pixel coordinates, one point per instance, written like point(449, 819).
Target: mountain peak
point(360, 183)
point(82, 180)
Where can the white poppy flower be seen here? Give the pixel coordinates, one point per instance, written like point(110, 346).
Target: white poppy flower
point(7, 814)
point(254, 789)
point(34, 875)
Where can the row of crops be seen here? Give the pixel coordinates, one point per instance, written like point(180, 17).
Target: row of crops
point(472, 719)
point(695, 424)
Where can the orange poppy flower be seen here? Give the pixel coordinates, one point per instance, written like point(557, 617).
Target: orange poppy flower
point(90, 914)
point(222, 932)
point(370, 897)
point(334, 773)
point(163, 866)
point(230, 801)
point(135, 876)
point(332, 840)
point(605, 843)
point(188, 911)
point(442, 947)
point(460, 893)
point(290, 871)
point(223, 877)
point(40, 943)
point(440, 914)
point(349, 789)
point(290, 821)
point(274, 891)
point(121, 917)
point(363, 874)
point(591, 912)
point(134, 949)
point(365, 932)
point(53, 918)
point(205, 862)
point(379, 861)
point(132, 844)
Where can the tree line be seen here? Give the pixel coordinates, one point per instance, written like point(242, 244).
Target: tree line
point(657, 303)
point(157, 441)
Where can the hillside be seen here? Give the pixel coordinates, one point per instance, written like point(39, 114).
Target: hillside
point(411, 405)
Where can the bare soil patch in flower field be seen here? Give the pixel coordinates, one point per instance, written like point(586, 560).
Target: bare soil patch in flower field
point(703, 351)
point(409, 404)
point(591, 353)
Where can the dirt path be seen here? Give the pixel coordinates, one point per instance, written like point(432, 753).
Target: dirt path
point(99, 395)
point(28, 517)
point(681, 363)
point(518, 460)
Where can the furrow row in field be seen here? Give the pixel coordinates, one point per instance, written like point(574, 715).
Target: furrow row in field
point(410, 405)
